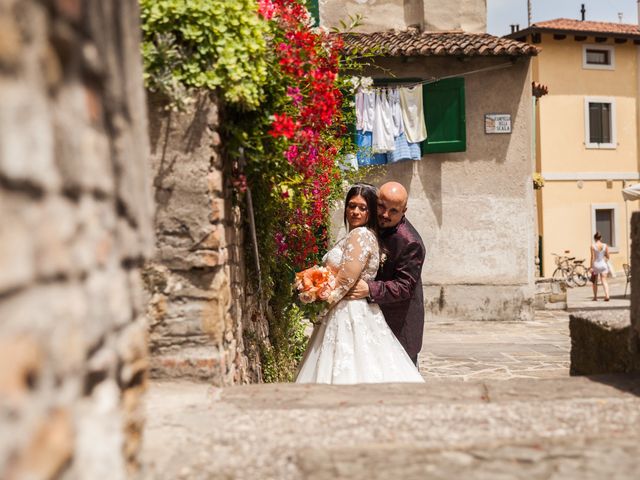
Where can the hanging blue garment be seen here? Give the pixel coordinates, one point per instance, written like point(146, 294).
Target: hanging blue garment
point(404, 150)
point(366, 157)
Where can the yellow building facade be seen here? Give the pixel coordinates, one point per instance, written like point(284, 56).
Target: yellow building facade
point(586, 139)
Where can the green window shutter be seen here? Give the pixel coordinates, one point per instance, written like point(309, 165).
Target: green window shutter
point(444, 114)
point(314, 10)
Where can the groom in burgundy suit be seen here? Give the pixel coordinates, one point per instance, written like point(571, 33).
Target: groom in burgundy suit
point(398, 285)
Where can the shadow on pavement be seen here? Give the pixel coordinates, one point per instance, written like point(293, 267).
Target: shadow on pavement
point(625, 382)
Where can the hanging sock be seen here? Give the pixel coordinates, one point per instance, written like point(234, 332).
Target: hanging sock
point(383, 140)
point(404, 150)
point(415, 127)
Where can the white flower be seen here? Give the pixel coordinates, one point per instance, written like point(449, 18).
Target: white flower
point(366, 82)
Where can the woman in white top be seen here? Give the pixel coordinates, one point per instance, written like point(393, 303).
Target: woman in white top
point(599, 266)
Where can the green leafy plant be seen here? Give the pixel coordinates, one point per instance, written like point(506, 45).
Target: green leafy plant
point(205, 44)
point(285, 127)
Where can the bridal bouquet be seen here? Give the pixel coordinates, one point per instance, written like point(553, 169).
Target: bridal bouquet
point(314, 283)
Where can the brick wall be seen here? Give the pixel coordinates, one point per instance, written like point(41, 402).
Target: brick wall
point(203, 321)
point(75, 204)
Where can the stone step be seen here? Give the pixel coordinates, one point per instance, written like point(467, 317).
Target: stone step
point(442, 429)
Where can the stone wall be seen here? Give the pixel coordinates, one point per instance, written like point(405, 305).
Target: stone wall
point(203, 324)
point(634, 340)
point(75, 205)
point(431, 15)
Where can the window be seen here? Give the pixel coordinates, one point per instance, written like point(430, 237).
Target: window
point(314, 10)
point(600, 115)
point(601, 57)
point(604, 219)
point(604, 224)
point(444, 112)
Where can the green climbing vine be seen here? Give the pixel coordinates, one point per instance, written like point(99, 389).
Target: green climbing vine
point(285, 110)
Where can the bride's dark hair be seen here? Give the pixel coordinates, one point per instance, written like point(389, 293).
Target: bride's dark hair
point(370, 195)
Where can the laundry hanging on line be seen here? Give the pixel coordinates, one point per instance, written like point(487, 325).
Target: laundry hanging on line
point(389, 124)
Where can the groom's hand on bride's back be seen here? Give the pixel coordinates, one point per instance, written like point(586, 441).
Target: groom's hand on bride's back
point(358, 291)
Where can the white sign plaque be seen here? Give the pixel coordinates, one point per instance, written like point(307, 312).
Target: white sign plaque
point(497, 123)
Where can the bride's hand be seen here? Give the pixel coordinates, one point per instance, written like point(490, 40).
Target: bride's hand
point(359, 290)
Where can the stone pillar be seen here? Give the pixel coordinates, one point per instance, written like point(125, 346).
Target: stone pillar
point(634, 340)
point(76, 207)
point(203, 325)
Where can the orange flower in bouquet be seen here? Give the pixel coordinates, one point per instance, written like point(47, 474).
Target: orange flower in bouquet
point(315, 283)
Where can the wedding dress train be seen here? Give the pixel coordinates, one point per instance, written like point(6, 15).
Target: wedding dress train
point(354, 344)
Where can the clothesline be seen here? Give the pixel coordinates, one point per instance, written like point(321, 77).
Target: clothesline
point(437, 79)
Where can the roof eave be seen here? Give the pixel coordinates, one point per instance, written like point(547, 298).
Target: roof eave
point(567, 31)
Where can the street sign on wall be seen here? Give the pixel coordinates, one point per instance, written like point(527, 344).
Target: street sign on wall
point(497, 123)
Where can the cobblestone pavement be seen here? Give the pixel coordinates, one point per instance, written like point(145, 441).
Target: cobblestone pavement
point(466, 350)
point(498, 404)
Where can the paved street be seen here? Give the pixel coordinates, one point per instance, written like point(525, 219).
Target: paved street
point(498, 404)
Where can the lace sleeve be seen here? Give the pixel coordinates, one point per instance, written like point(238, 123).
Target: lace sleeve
point(355, 253)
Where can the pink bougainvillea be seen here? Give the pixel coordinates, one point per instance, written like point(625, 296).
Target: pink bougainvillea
point(308, 127)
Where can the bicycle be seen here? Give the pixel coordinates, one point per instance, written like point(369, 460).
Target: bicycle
point(570, 270)
point(579, 273)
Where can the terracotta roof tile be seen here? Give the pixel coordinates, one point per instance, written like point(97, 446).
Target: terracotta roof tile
point(586, 26)
point(412, 42)
point(567, 25)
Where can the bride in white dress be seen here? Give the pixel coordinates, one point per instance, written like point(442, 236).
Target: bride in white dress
point(354, 344)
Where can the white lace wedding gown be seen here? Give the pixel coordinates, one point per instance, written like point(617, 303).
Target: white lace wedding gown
point(354, 344)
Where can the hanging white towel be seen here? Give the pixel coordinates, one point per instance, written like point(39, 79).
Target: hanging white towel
point(396, 112)
point(368, 100)
point(412, 113)
point(383, 140)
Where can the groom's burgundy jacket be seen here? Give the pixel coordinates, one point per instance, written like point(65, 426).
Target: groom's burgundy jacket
point(398, 285)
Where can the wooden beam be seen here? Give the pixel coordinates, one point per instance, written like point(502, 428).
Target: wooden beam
point(620, 40)
point(559, 36)
point(601, 39)
point(580, 38)
point(636, 42)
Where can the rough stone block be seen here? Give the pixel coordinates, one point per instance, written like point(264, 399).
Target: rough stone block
point(183, 259)
point(600, 342)
point(26, 356)
point(55, 314)
point(200, 363)
point(84, 159)
point(54, 234)
point(17, 249)
point(550, 295)
point(215, 181)
point(50, 448)
point(94, 243)
point(10, 42)
point(26, 136)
